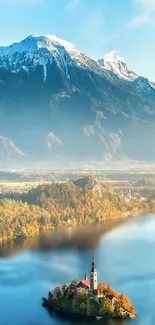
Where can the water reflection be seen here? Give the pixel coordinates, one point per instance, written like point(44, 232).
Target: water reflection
point(125, 259)
point(82, 238)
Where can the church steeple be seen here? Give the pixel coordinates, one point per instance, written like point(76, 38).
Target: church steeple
point(93, 265)
point(93, 276)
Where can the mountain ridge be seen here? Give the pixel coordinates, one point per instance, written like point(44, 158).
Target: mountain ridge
point(57, 103)
point(52, 43)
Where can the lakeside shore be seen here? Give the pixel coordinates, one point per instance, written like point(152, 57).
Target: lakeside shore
point(81, 237)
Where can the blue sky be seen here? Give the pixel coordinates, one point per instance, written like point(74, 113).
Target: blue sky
point(95, 26)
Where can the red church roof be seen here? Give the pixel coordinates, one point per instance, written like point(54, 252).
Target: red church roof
point(84, 283)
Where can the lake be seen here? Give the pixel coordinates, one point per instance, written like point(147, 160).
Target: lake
point(125, 259)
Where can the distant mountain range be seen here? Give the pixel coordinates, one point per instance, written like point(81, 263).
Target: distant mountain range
point(57, 105)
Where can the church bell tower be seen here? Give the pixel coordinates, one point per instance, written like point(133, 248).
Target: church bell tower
point(93, 276)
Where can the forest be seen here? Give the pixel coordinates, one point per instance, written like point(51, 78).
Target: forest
point(62, 205)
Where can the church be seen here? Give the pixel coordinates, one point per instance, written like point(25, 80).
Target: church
point(92, 283)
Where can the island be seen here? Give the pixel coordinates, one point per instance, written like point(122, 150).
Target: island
point(87, 299)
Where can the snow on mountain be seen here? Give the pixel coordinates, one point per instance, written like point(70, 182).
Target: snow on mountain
point(8, 148)
point(36, 50)
point(89, 106)
point(152, 84)
point(35, 42)
point(143, 85)
point(53, 139)
point(42, 50)
point(115, 63)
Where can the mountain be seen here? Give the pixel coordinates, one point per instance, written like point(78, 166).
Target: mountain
point(8, 150)
point(57, 104)
point(113, 62)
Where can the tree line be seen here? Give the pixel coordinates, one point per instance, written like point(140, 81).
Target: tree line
point(60, 205)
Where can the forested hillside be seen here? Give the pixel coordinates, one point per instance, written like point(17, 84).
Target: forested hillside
point(72, 198)
point(59, 205)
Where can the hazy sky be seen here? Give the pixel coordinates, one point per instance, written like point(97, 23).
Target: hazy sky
point(95, 26)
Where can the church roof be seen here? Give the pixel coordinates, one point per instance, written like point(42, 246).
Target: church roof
point(84, 282)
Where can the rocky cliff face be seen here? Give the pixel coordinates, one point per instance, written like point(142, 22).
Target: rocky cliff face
point(57, 103)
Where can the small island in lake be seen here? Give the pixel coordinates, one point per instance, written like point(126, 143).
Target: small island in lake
point(85, 298)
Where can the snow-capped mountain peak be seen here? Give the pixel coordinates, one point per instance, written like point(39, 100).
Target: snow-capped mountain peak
point(51, 96)
point(48, 40)
point(39, 50)
point(43, 50)
point(114, 62)
point(35, 42)
point(113, 57)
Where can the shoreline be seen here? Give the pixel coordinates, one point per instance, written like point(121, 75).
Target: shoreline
point(80, 237)
point(82, 317)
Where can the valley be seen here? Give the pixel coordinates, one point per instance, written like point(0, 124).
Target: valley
point(138, 180)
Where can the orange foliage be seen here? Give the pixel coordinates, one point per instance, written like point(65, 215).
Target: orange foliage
point(106, 289)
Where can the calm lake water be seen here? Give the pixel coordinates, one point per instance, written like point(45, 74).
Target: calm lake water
point(125, 259)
